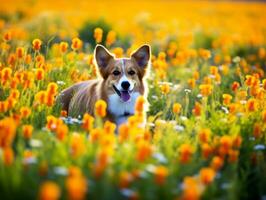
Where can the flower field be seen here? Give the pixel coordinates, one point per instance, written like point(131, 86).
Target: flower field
point(205, 131)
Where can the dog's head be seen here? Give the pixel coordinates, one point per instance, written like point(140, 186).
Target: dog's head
point(123, 75)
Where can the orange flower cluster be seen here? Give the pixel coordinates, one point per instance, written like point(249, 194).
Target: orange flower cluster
point(57, 126)
point(185, 153)
point(100, 108)
point(111, 37)
point(49, 191)
point(47, 97)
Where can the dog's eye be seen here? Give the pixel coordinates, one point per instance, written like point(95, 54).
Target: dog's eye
point(131, 72)
point(116, 73)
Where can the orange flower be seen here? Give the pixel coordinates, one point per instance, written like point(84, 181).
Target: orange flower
point(27, 131)
point(204, 135)
point(139, 106)
point(160, 172)
point(52, 88)
point(207, 175)
point(192, 189)
point(144, 151)
point(225, 144)
point(213, 70)
point(8, 156)
point(123, 132)
point(49, 191)
point(76, 44)
point(3, 106)
point(196, 75)
point(216, 163)
point(25, 112)
point(251, 105)
point(118, 51)
point(63, 47)
point(76, 186)
point(235, 86)
point(125, 178)
point(63, 113)
point(95, 135)
point(61, 131)
point(177, 108)
point(233, 155)
point(20, 52)
point(197, 109)
point(206, 150)
point(6, 73)
point(227, 99)
point(36, 44)
point(165, 88)
point(87, 122)
point(14, 94)
point(204, 53)
point(185, 152)
point(41, 97)
point(100, 108)
point(237, 140)
point(109, 127)
point(257, 130)
point(39, 74)
point(77, 145)
point(111, 37)
point(7, 131)
point(206, 89)
point(98, 34)
point(191, 83)
point(7, 36)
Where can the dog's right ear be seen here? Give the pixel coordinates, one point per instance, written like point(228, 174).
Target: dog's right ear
point(102, 56)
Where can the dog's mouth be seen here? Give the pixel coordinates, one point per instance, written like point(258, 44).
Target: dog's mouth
point(124, 94)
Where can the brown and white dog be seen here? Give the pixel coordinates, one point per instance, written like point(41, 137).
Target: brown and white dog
point(120, 82)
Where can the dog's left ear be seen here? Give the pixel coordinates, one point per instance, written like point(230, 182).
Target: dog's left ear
point(142, 55)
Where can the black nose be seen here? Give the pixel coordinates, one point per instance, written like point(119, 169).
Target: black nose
point(125, 85)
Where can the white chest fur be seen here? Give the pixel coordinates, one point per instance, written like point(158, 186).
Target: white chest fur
point(118, 108)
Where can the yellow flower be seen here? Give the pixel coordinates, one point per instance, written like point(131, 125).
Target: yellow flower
point(160, 173)
point(226, 99)
point(118, 51)
point(205, 89)
point(25, 112)
point(76, 43)
point(100, 108)
point(177, 108)
point(204, 135)
point(139, 106)
point(63, 47)
point(165, 88)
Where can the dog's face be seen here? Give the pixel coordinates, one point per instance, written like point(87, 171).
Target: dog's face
point(123, 76)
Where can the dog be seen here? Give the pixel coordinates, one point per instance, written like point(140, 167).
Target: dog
point(120, 82)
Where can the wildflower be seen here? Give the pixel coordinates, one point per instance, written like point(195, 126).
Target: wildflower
point(41, 97)
point(8, 156)
point(95, 135)
point(52, 88)
point(111, 37)
point(196, 75)
point(123, 132)
point(3, 106)
point(7, 131)
point(233, 155)
point(20, 51)
point(227, 99)
point(76, 44)
point(100, 108)
point(125, 178)
point(87, 122)
point(14, 94)
point(36, 44)
point(206, 150)
point(61, 131)
point(225, 144)
point(237, 140)
point(139, 106)
point(49, 191)
point(98, 34)
point(27, 131)
point(197, 109)
point(25, 112)
point(39, 74)
point(191, 83)
point(118, 51)
point(165, 88)
point(76, 186)
point(109, 127)
point(6, 73)
point(204, 135)
point(204, 53)
point(213, 70)
point(235, 86)
point(192, 189)
point(160, 173)
point(251, 105)
point(63, 113)
point(63, 47)
point(207, 175)
point(77, 145)
point(177, 108)
point(7, 36)
point(216, 163)
point(205, 89)
point(144, 151)
point(185, 152)
point(257, 130)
